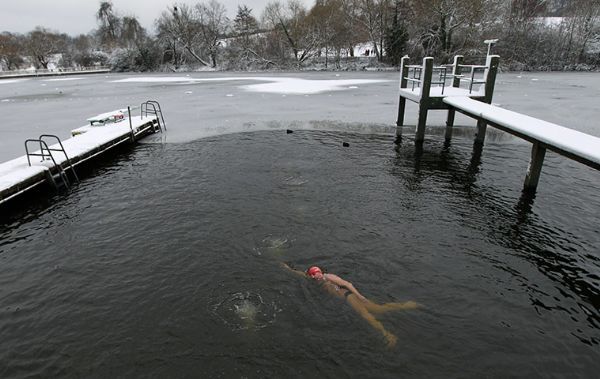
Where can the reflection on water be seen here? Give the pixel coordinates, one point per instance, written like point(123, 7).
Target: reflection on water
point(169, 257)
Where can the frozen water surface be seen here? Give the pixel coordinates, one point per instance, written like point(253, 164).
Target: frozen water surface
point(206, 104)
point(166, 259)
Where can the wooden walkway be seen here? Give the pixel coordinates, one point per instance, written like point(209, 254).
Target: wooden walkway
point(18, 177)
point(544, 135)
point(421, 88)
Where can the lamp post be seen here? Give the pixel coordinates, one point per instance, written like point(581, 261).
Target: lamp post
point(490, 42)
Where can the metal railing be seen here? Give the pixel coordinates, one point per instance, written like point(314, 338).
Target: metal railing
point(152, 107)
point(45, 153)
point(417, 73)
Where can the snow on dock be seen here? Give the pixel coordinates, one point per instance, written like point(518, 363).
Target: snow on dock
point(17, 176)
point(577, 145)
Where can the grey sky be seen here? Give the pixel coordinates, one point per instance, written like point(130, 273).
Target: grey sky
point(78, 16)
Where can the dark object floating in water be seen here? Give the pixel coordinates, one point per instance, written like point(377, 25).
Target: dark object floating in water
point(288, 131)
point(345, 144)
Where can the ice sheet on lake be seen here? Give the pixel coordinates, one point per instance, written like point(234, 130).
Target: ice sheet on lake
point(283, 85)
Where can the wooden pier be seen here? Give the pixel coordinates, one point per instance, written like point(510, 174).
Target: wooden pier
point(27, 172)
point(417, 84)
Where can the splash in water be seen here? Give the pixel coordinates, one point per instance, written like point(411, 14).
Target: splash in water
point(273, 246)
point(246, 311)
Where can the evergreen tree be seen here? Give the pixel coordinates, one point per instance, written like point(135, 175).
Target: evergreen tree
point(396, 38)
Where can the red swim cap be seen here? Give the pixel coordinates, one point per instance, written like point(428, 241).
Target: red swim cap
point(314, 270)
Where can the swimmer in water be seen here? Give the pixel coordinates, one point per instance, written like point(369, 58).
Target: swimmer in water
point(363, 306)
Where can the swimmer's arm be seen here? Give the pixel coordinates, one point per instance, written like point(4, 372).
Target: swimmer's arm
point(344, 283)
point(299, 273)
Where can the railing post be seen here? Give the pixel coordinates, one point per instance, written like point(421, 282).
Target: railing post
point(489, 77)
point(402, 100)
point(130, 124)
point(456, 70)
point(424, 101)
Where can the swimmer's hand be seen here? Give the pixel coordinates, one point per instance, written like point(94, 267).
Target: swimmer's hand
point(284, 265)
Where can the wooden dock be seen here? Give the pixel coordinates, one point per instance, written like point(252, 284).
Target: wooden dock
point(432, 93)
point(418, 84)
point(22, 174)
point(544, 135)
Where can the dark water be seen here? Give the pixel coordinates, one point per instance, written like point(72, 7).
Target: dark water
point(165, 263)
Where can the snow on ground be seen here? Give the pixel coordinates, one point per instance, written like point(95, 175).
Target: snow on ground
point(7, 81)
point(306, 87)
point(284, 85)
point(61, 79)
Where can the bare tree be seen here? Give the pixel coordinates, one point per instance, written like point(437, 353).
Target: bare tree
point(11, 50)
point(290, 23)
point(167, 37)
point(374, 16)
point(246, 48)
point(586, 15)
point(438, 20)
point(326, 19)
point(132, 33)
point(185, 27)
point(41, 44)
point(213, 24)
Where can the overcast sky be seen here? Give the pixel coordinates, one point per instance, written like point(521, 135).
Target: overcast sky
point(78, 16)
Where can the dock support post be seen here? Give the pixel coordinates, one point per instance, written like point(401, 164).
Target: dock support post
point(538, 152)
point(424, 101)
point(449, 124)
point(491, 63)
point(456, 70)
point(480, 134)
point(402, 100)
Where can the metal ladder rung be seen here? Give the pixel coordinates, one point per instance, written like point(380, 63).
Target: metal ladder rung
point(153, 107)
point(44, 147)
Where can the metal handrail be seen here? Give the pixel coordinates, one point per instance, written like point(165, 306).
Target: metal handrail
point(417, 76)
point(159, 111)
point(60, 171)
point(153, 107)
point(472, 79)
point(62, 149)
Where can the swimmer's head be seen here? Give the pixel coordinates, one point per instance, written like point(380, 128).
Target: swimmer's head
point(315, 272)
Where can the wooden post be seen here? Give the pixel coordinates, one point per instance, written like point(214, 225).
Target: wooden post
point(492, 63)
point(489, 76)
point(480, 134)
point(130, 125)
point(402, 100)
point(538, 151)
point(426, 74)
point(456, 70)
